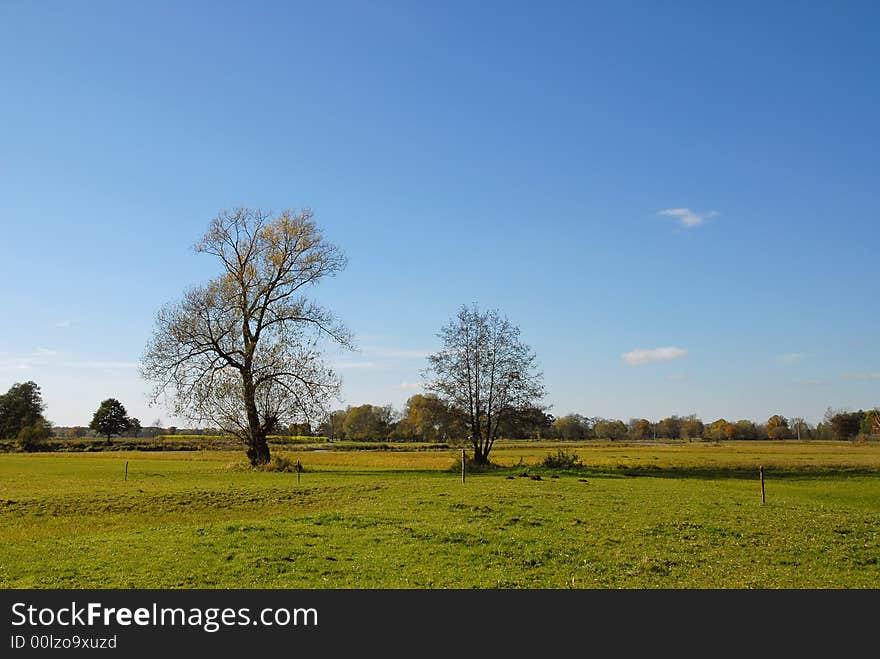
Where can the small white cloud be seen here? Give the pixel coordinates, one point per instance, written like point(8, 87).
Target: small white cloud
point(14, 365)
point(686, 217)
point(641, 356)
point(861, 376)
point(411, 385)
point(812, 383)
point(792, 357)
point(44, 352)
point(677, 378)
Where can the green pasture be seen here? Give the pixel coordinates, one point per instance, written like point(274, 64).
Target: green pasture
point(672, 516)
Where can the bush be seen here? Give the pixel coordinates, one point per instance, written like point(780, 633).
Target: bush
point(562, 460)
point(31, 437)
point(281, 464)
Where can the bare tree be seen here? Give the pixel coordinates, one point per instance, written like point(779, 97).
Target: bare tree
point(485, 373)
point(245, 351)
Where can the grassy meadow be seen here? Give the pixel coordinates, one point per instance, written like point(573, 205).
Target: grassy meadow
point(633, 516)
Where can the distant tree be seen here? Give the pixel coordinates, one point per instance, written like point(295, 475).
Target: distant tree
point(717, 430)
point(690, 427)
point(823, 431)
point(777, 427)
point(800, 429)
point(485, 373)
point(31, 436)
point(745, 429)
point(669, 428)
point(332, 424)
point(428, 417)
point(244, 351)
point(364, 422)
point(134, 427)
point(571, 427)
point(528, 423)
point(844, 425)
point(21, 406)
point(642, 429)
point(872, 422)
point(612, 429)
point(110, 419)
point(300, 429)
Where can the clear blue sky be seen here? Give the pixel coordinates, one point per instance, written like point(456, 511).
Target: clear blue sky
point(517, 155)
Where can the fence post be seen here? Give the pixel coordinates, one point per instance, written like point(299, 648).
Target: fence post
point(763, 497)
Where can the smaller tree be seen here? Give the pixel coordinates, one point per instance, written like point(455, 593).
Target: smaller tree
point(110, 419)
point(485, 373)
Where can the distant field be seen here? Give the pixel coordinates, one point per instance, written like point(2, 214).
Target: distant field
point(671, 516)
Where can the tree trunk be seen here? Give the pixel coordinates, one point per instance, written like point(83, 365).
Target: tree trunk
point(258, 449)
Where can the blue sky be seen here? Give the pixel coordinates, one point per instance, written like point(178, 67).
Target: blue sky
point(517, 155)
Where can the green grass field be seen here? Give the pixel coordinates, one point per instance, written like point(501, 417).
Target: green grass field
point(679, 516)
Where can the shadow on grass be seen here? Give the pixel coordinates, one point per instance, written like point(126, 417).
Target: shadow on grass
point(528, 470)
point(714, 473)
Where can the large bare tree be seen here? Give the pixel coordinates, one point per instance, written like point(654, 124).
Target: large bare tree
point(485, 373)
point(245, 351)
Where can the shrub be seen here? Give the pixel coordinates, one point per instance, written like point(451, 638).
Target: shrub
point(31, 437)
point(279, 463)
point(562, 460)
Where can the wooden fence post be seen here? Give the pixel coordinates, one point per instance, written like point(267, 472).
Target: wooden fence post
point(126, 470)
point(763, 497)
point(463, 466)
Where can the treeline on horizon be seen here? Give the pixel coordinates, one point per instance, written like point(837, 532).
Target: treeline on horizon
point(427, 418)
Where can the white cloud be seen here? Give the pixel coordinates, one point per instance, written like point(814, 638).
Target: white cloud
point(411, 385)
point(686, 217)
point(861, 376)
point(677, 378)
point(641, 356)
point(13, 364)
point(812, 383)
point(44, 352)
